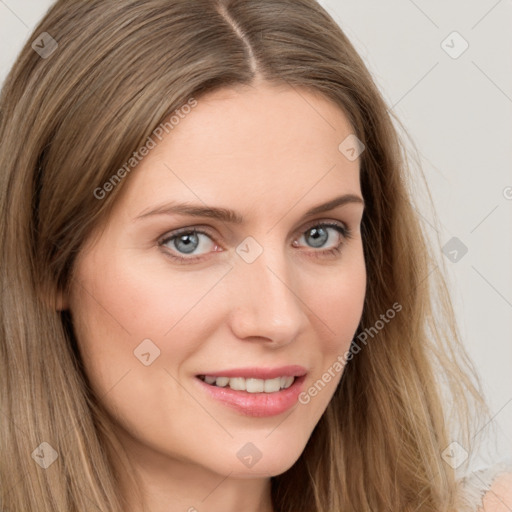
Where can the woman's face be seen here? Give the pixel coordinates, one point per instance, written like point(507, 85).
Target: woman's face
point(262, 295)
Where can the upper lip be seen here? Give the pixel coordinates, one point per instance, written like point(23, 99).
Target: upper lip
point(260, 373)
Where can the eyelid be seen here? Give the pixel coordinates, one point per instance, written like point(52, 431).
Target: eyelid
point(206, 230)
point(328, 223)
point(187, 229)
point(342, 227)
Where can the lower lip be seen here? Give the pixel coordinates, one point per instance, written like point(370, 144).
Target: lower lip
point(256, 404)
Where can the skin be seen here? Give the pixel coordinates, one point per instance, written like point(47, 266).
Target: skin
point(270, 153)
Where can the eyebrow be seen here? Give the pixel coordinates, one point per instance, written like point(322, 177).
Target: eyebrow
point(226, 215)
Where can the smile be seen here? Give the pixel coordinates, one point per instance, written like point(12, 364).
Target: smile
point(260, 392)
point(250, 385)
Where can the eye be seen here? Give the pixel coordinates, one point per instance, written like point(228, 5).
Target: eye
point(187, 241)
point(189, 244)
point(318, 235)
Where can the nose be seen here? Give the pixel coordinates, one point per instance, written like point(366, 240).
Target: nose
point(267, 300)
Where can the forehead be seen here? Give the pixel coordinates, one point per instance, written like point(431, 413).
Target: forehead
point(256, 146)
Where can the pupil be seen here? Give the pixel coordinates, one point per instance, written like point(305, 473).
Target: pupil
point(187, 241)
point(319, 236)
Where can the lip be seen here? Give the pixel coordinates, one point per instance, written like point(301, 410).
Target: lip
point(255, 404)
point(260, 373)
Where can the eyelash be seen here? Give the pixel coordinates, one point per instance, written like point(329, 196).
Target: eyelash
point(335, 251)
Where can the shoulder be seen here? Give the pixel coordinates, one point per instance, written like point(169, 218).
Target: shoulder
point(499, 497)
point(488, 490)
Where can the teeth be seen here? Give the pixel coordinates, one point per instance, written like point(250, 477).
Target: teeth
point(250, 385)
point(272, 385)
point(221, 381)
point(287, 382)
point(237, 383)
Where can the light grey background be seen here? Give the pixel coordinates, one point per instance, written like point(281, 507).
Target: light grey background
point(458, 111)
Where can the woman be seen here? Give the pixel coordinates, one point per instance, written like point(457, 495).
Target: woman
point(215, 290)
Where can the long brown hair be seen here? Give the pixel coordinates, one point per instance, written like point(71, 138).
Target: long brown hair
point(72, 117)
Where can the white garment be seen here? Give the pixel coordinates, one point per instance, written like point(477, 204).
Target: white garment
point(474, 486)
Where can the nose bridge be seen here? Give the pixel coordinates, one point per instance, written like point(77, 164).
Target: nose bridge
point(266, 303)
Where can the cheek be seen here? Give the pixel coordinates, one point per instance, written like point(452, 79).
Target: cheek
point(341, 308)
point(140, 298)
point(337, 310)
point(120, 302)
point(338, 304)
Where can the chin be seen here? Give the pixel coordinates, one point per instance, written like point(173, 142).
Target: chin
point(273, 459)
